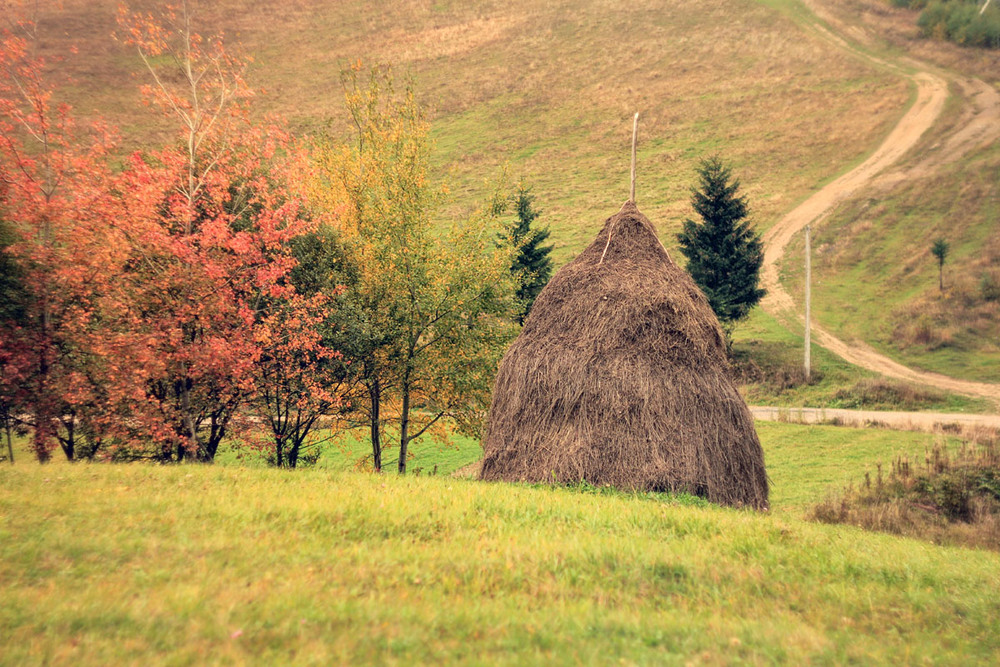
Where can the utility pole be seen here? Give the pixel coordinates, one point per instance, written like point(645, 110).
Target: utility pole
point(808, 364)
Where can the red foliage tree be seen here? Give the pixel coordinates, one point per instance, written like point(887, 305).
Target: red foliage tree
point(55, 202)
point(299, 378)
point(156, 300)
point(208, 223)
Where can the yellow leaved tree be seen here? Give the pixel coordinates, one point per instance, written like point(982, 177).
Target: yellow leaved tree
point(428, 309)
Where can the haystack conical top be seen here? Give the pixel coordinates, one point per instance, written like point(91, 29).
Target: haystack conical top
point(620, 377)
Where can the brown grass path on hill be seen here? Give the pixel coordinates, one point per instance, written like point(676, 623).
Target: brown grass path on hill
point(980, 125)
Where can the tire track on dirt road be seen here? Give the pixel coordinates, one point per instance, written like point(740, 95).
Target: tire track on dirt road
point(981, 125)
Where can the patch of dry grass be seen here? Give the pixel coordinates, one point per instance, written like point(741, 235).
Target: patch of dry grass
point(950, 497)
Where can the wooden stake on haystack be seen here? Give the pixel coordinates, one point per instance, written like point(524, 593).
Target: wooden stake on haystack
point(631, 196)
point(635, 134)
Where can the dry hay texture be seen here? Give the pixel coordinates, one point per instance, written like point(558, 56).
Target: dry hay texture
point(620, 378)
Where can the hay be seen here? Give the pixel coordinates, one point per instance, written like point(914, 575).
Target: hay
point(620, 378)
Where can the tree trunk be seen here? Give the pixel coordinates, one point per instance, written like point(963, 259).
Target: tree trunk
point(404, 423)
point(43, 417)
point(69, 442)
point(217, 431)
point(10, 446)
point(189, 426)
point(375, 394)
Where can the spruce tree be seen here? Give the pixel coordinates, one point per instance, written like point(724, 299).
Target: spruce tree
point(532, 264)
point(940, 251)
point(724, 251)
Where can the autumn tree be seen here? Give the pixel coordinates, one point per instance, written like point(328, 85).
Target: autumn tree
point(303, 380)
point(208, 223)
point(54, 202)
point(429, 309)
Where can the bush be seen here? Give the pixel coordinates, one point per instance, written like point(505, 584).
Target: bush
point(761, 364)
point(989, 287)
point(959, 21)
point(951, 498)
point(881, 394)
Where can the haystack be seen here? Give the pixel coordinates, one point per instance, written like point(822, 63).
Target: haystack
point(620, 378)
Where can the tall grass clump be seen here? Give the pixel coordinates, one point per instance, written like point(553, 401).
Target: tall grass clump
point(886, 394)
point(951, 497)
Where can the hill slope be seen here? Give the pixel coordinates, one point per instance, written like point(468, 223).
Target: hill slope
point(875, 278)
point(548, 88)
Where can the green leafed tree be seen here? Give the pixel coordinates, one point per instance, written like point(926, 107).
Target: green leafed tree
point(940, 252)
point(532, 265)
point(13, 299)
point(428, 312)
point(723, 249)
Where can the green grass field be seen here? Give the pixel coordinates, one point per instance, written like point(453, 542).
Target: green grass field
point(229, 564)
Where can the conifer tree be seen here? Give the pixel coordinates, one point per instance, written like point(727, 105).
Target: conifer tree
point(532, 264)
point(940, 252)
point(724, 251)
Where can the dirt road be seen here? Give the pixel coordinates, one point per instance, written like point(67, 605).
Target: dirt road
point(980, 125)
point(901, 421)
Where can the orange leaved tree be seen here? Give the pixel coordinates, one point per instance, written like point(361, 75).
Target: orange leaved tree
point(55, 203)
point(208, 223)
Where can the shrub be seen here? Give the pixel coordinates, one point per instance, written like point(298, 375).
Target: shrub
point(951, 498)
point(989, 287)
point(880, 393)
point(959, 21)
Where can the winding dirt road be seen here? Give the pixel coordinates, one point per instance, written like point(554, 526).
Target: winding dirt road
point(979, 126)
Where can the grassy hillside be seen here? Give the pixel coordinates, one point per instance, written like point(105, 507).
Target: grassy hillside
point(874, 276)
point(128, 563)
point(548, 89)
point(877, 280)
point(898, 27)
point(768, 359)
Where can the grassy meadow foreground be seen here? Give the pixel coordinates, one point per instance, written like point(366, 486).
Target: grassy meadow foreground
point(122, 563)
